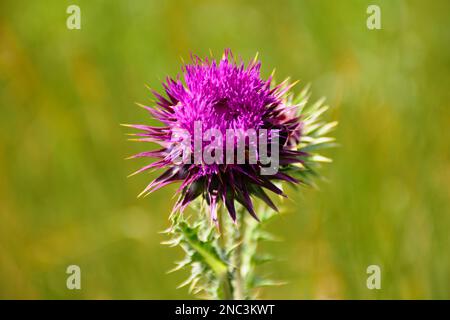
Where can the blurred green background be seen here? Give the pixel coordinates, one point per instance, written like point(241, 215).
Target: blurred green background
point(64, 195)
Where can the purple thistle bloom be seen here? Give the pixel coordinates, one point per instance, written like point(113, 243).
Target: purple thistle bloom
point(223, 95)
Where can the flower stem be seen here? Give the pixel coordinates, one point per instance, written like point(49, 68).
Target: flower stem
point(237, 258)
point(227, 288)
point(232, 283)
point(225, 280)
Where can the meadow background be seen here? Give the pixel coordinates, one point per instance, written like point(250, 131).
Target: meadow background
point(64, 195)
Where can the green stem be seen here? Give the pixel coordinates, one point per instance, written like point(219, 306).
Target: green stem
point(225, 280)
point(232, 283)
point(227, 288)
point(237, 258)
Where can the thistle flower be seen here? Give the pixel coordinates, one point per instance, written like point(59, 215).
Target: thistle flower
point(229, 97)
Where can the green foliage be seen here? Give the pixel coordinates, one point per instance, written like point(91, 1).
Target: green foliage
point(222, 265)
point(254, 234)
point(203, 255)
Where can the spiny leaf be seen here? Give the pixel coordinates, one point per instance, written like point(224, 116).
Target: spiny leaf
point(264, 282)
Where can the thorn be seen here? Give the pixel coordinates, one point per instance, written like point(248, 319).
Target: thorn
point(255, 59)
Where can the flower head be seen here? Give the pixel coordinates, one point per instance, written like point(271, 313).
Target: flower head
point(242, 126)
